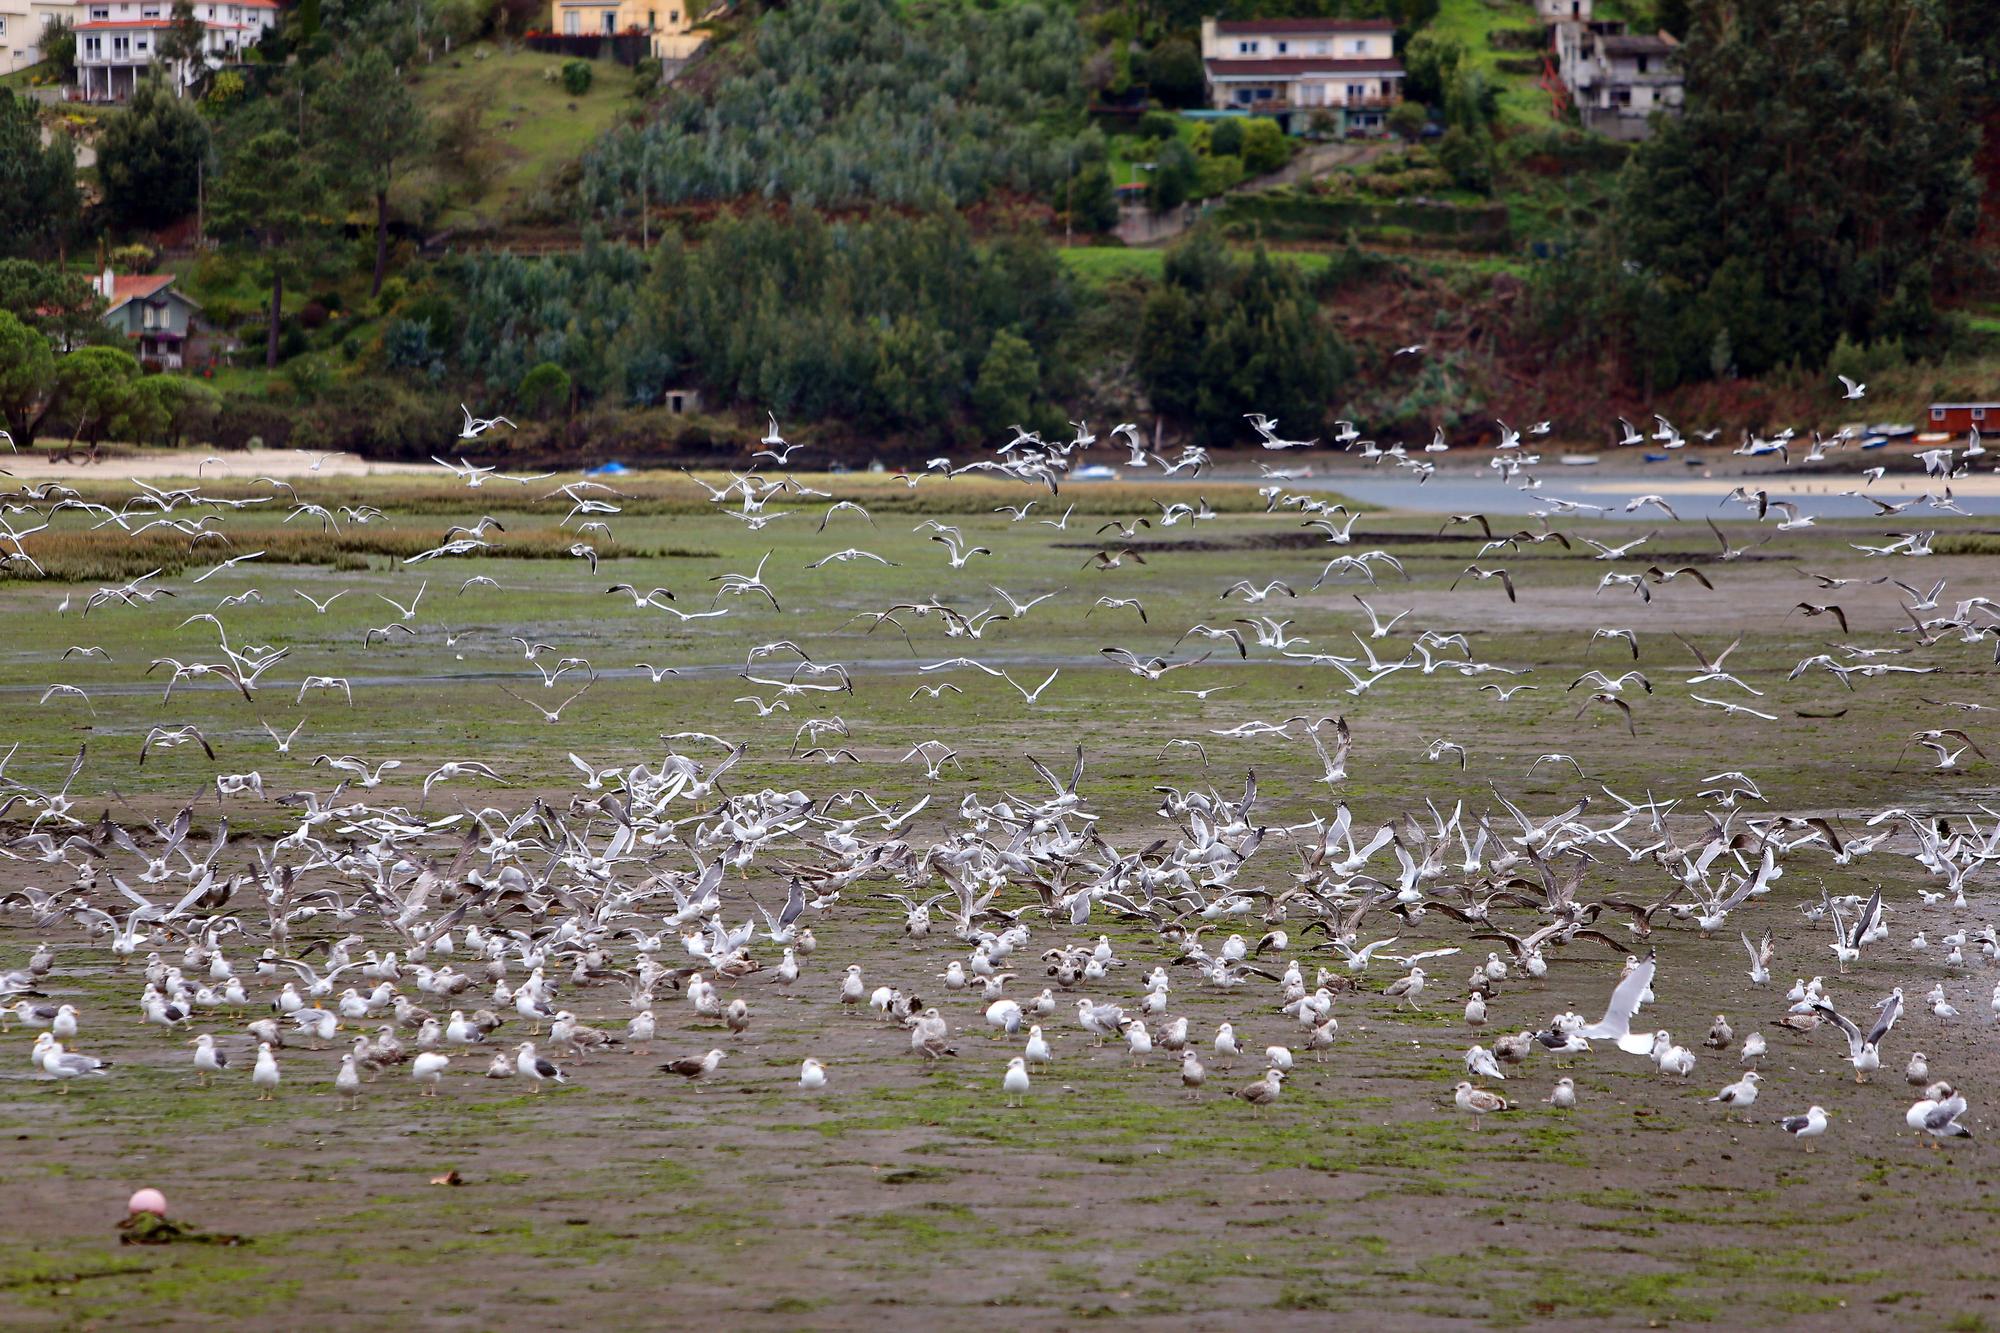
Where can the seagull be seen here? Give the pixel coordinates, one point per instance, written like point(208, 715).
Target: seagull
point(1808, 1126)
point(1853, 390)
point(1478, 1102)
point(475, 427)
point(1740, 1094)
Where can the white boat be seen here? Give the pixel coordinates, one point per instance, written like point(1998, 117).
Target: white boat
point(1578, 460)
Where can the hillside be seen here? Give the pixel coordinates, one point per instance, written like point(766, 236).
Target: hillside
point(508, 132)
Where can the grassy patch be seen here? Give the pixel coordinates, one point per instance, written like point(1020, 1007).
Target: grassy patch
point(528, 129)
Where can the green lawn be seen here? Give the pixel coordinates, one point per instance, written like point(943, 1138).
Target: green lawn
point(23, 77)
point(529, 127)
point(1522, 102)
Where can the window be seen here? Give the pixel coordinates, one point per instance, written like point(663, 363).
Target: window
point(93, 48)
point(1284, 47)
point(100, 14)
point(1358, 47)
point(1357, 92)
point(150, 12)
point(674, 16)
point(1246, 48)
point(140, 44)
point(571, 25)
point(1642, 64)
point(1937, 414)
point(652, 20)
point(1979, 414)
point(3, 23)
point(610, 24)
point(1264, 94)
point(1243, 97)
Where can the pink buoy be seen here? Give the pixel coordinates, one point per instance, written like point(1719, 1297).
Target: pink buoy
point(148, 1201)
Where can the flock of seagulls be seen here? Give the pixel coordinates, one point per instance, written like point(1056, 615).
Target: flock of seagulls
point(472, 933)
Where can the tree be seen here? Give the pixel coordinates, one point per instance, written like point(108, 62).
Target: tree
point(59, 50)
point(1225, 138)
point(544, 390)
point(60, 305)
point(151, 159)
point(1221, 337)
point(180, 46)
point(1174, 174)
point(375, 130)
point(1175, 75)
point(27, 378)
point(1092, 202)
point(1408, 120)
point(265, 203)
point(94, 387)
point(1818, 184)
point(1004, 393)
point(38, 183)
point(1430, 64)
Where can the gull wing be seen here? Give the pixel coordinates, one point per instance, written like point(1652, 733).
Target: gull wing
point(1616, 1025)
point(1855, 1041)
point(1866, 921)
point(1892, 1009)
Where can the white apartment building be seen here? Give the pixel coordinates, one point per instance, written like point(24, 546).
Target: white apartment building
point(117, 41)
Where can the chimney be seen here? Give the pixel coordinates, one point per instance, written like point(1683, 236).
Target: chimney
point(109, 283)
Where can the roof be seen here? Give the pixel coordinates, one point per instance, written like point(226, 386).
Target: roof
point(1292, 66)
point(129, 287)
point(1237, 27)
point(1951, 406)
point(1623, 44)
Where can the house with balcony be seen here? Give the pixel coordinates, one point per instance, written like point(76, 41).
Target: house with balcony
point(156, 320)
point(1557, 11)
point(1292, 69)
point(118, 41)
point(669, 24)
point(1618, 80)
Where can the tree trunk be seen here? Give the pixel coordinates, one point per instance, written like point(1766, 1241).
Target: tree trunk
point(271, 326)
point(381, 240)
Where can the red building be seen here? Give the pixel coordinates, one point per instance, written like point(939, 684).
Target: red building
point(1958, 418)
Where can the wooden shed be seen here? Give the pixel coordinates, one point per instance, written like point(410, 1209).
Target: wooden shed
point(1958, 418)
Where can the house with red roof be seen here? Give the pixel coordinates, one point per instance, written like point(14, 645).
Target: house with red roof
point(155, 319)
point(1295, 67)
point(118, 41)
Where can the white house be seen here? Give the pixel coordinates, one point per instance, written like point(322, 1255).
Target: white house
point(1555, 11)
point(22, 23)
point(117, 41)
point(1619, 80)
point(1282, 66)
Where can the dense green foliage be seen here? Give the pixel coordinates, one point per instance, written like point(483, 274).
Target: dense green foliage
point(372, 130)
point(149, 160)
point(1224, 336)
point(1817, 186)
point(38, 183)
point(886, 323)
point(844, 101)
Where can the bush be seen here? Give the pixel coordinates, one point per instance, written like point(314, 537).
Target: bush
point(1264, 147)
point(133, 258)
point(250, 423)
point(544, 390)
point(1158, 125)
point(1225, 137)
point(1407, 121)
point(576, 76)
point(1468, 156)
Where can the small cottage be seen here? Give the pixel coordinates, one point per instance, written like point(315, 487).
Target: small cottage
point(151, 314)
